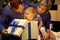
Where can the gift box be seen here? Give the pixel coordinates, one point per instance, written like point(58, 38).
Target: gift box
point(31, 31)
point(16, 27)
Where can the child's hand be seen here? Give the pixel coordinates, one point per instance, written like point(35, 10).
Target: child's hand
point(4, 32)
point(45, 37)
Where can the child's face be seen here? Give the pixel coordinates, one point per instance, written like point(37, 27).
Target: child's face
point(29, 16)
point(41, 9)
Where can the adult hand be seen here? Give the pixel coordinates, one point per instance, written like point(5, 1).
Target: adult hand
point(4, 32)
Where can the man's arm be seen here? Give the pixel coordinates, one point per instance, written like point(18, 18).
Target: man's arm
point(3, 19)
point(29, 4)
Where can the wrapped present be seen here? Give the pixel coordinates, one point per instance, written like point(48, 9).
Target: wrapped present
point(31, 31)
point(17, 26)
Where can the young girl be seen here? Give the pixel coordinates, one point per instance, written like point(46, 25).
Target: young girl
point(43, 11)
point(30, 14)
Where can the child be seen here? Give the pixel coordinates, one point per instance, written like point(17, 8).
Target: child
point(30, 14)
point(43, 11)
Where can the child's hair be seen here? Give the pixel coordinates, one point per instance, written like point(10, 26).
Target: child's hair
point(30, 10)
point(45, 3)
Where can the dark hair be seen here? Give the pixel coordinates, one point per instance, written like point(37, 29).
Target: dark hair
point(15, 3)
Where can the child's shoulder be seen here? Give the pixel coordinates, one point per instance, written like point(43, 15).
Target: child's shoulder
point(37, 17)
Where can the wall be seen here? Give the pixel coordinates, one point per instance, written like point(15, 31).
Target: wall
point(55, 14)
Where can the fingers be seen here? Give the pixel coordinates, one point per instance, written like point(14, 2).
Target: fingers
point(4, 32)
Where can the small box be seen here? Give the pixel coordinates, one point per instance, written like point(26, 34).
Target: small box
point(17, 26)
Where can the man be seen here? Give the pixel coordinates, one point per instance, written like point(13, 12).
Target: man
point(10, 12)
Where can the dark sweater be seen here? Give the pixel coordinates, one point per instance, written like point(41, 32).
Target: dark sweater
point(8, 15)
